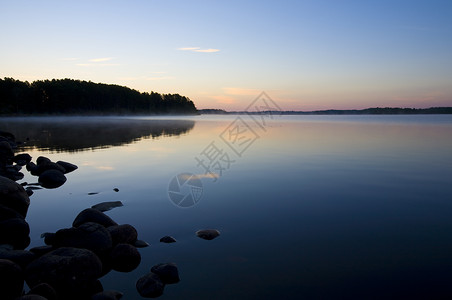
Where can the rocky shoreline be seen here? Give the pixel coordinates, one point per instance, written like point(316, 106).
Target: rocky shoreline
point(72, 260)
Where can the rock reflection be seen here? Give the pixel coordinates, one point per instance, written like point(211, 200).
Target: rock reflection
point(71, 134)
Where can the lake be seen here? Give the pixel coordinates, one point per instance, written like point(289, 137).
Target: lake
point(309, 207)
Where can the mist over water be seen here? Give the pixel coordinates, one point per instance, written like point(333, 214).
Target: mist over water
point(348, 207)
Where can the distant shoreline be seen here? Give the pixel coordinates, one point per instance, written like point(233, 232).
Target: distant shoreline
point(366, 111)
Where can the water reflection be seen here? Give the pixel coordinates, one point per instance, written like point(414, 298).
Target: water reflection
point(71, 134)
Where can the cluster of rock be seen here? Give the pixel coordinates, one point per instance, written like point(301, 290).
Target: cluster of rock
point(51, 174)
point(73, 259)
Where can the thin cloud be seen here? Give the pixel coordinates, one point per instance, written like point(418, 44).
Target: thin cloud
point(199, 49)
point(102, 59)
point(207, 50)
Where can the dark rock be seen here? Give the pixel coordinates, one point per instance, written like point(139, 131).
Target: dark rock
point(105, 206)
point(45, 290)
point(71, 272)
point(51, 179)
point(8, 213)
point(7, 135)
point(49, 238)
point(68, 167)
point(14, 196)
point(32, 168)
point(29, 192)
point(12, 280)
point(167, 239)
point(107, 295)
point(140, 244)
point(208, 234)
point(91, 236)
point(125, 258)
point(6, 153)
point(21, 257)
point(116, 190)
point(150, 286)
point(167, 272)
point(11, 172)
point(15, 232)
point(123, 234)
point(41, 250)
point(42, 160)
point(45, 166)
point(93, 215)
point(22, 159)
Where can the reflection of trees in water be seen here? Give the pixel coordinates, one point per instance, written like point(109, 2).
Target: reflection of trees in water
point(81, 134)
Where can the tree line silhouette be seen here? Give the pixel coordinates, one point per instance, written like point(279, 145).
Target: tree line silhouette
point(69, 96)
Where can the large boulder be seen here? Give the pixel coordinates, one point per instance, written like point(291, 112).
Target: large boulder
point(91, 236)
point(93, 215)
point(150, 286)
point(14, 196)
point(123, 234)
point(72, 272)
point(11, 279)
point(21, 257)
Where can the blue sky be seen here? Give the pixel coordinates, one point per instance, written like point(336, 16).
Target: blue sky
point(305, 54)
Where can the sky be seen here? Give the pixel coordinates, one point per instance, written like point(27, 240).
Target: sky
point(306, 55)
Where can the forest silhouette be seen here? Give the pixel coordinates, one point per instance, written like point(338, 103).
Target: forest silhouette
point(76, 97)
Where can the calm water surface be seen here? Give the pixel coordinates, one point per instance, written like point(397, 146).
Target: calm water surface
point(317, 207)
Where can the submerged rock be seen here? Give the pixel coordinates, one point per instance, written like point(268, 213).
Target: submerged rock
point(150, 286)
point(106, 206)
point(141, 244)
point(167, 239)
point(167, 272)
point(208, 234)
point(93, 215)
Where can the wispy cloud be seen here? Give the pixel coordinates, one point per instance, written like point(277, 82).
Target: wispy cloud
point(199, 49)
point(102, 59)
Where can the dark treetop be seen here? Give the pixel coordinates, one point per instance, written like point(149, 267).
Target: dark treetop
point(68, 96)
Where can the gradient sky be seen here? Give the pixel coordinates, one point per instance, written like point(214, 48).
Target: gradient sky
point(306, 55)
